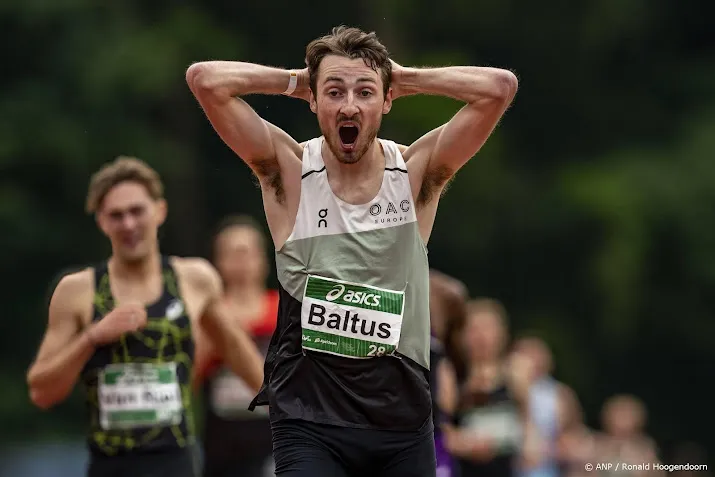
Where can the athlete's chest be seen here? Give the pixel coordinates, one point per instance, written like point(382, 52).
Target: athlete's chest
point(169, 298)
point(321, 212)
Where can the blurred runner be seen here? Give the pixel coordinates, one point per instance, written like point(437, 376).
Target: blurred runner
point(125, 328)
point(623, 419)
point(576, 445)
point(492, 436)
point(236, 440)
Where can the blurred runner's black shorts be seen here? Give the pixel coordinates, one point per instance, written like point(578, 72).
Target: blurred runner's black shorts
point(180, 462)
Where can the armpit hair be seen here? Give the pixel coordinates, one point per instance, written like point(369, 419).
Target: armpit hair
point(434, 179)
point(272, 179)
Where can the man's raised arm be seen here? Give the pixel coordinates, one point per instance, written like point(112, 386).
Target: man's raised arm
point(217, 86)
point(487, 92)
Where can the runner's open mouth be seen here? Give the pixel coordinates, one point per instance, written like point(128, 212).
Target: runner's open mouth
point(348, 134)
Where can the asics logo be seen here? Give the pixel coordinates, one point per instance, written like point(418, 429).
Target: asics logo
point(335, 293)
point(357, 297)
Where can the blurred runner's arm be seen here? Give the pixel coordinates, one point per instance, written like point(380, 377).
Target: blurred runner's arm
point(229, 340)
point(65, 348)
point(462, 444)
point(448, 388)
point(204, 355)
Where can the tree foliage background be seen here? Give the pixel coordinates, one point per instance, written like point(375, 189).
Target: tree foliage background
point(588, 212)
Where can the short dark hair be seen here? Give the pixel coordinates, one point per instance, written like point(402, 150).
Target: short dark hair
point(122, 169)
point(351, 43)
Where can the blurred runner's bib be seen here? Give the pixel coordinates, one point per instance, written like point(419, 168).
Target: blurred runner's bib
point(230, 397)
point(349, 319)
point(499, 423)
point(136, 395)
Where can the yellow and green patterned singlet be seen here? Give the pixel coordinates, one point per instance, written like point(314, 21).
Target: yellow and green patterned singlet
point(138, 388)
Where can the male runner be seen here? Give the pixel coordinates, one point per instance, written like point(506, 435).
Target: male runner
point(237, 441)
point(125, 328)
point(350, 214)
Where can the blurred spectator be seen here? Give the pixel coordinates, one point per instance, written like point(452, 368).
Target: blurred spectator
point(448, 299)
point(238, 441)
point(576, 445)
point(624, 440)
point(492, 436)
point(547, 398)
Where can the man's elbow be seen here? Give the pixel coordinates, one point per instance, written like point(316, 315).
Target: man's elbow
point(41, 399)
point(41, 395)
point(210, 79)
point(196, 76)
point(505, 85)
point(498, 86)
point(203, 78)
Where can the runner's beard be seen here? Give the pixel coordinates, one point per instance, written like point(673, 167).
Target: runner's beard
point(362, 144)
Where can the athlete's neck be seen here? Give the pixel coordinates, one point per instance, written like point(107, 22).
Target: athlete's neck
point(135, 270)
point(359, 172)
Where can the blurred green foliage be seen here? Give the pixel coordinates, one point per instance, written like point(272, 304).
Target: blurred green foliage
point(588, 212)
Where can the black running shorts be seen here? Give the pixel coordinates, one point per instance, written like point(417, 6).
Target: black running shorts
point(307, 449)
point(172, 463)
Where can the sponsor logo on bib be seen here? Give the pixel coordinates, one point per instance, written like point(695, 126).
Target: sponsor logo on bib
point(353, 297)
point(499, 423)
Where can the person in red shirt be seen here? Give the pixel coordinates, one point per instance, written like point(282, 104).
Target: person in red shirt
point(236, 440)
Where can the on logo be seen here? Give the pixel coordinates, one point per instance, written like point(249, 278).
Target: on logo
point(174, 310)
point(322, 214)
point(335, 293)
point(405, 205)
point(375, 209)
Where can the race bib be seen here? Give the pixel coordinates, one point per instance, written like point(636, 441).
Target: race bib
point(136, 395)
point(230, 397)
point(349, 319)
point(499, 423)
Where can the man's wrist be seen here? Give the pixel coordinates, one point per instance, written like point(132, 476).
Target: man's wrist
point(90, 339)
point(303, 79)
point(407, 81)
point(292, 83)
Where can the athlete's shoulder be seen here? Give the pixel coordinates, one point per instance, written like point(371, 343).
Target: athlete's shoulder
point(307, 143)
point(197, 271)
point(76, 282)
point(73, 287)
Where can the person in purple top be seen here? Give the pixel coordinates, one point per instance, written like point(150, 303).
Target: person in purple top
point(448, 297)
